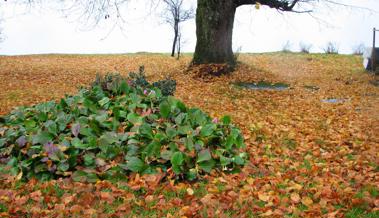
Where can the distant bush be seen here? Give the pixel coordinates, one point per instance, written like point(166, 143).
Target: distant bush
point(287, 46)
point(236, 54)
point(304, 47)
point(359, 49)
point(331, 48)
point(113, 128)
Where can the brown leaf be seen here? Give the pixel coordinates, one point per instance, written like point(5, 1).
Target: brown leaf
point(263, 197)
point(107, 196)
point(67, 199)
point(86, 198)
point(267, 213)
point(59, 207)
point(76, 209)
point(184, 211)
point(307, 201)
point(21, 200)
point(36, 196)
point(149, 199)
point(295, 197)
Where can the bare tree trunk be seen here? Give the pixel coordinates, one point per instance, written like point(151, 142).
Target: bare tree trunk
point(214, 31)
point(176, 30)
point(179, 45)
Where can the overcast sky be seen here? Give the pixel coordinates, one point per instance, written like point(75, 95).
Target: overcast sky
point(263, 30)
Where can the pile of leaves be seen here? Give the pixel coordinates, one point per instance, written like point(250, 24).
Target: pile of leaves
point(115, 127)
point(208, 72)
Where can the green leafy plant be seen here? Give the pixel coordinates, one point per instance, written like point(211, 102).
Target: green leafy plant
point(167, 86)
point(112, 81)
point(114, 128)
point(139, 79)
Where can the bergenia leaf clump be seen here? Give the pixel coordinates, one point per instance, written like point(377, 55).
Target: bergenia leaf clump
point(113, 128)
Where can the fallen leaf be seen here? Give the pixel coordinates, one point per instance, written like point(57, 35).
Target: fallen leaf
point(295, 197)
point(76, 208)
point(190, 191)
point(307, 201)
point(36, 196)
point(267, 213)
point(106, 196)
point(263, 197)
point(149, 199)
point(67, 199)
point(184, 210)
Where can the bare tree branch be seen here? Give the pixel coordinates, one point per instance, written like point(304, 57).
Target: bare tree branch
point(174, 14)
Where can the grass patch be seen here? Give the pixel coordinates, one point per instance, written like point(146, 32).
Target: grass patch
point(3, 208)
point(262, 85)
point(358, 212)
point(201, 190)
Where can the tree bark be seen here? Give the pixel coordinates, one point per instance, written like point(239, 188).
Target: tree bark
point(214, 31)
point(176, 31)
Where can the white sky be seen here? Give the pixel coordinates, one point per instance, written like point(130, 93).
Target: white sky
point(254, 30)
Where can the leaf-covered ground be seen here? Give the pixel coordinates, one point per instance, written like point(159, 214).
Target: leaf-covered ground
point(309, 156)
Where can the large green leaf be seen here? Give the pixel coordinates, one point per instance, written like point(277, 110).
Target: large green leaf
point(134, 118)
point(188, 142)
point(207, 166)
point(185, 130)
point(77, 143)
point(79, 176)
point(226, 120)
point(63, 166)
point(165, 109)
point(42, 138)
point(30, 124)
point(204, 155)
point(104, 101)
point(89, 159)
point(171, 132)
point(153, 149)
point(177, 160)
point(145, 129)
point(82, 176)
point(108, 138)
point(181, 118)
point(135, 164)
point(208, 129)
point(224, 161)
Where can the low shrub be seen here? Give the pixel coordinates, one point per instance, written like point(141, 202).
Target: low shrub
point(113, 80)
point(304, 47)
point(286, 47)
point(359, 49)
point(331, 48)
point(167, 86)
point(113, 128)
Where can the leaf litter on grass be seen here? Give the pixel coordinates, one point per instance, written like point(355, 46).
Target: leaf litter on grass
point(307, 158)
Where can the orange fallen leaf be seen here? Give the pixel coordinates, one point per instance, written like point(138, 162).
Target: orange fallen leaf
point(184, 210)
point(263, 197)
point(76, 209)
point(149, 199)
point(36, 196)
point(267, 213)
point(67, 199)
point(307, 201)
point(295, 197)
point(106, 196)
